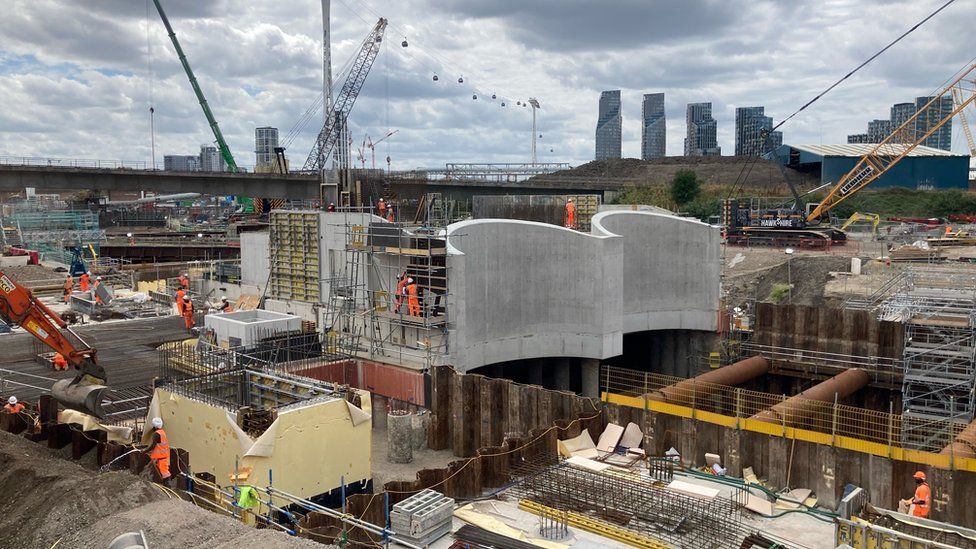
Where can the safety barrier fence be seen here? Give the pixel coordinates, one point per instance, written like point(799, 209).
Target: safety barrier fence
point(828, 423)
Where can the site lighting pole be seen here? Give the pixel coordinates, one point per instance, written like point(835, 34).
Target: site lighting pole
point(534, 103)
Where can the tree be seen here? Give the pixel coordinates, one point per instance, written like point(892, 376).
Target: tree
point(685, 187)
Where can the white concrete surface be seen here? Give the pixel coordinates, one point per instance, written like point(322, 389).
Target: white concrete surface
point(523, 290)
point(248, 327)
point(671, 269)
point(255, 254)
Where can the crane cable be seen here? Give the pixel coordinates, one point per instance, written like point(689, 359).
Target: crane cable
point(739, 183)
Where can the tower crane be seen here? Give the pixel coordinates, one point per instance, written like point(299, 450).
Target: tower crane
point(331, 131)
point(372, 147)
point(218, 136)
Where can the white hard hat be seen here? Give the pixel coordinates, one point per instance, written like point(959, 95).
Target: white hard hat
point(186, 298)
point(157, 423)
point(223, 298)
point(570, 200)
point(12, 400)
point(410, 280)
point(88, 273)
point(98, 278)
point(381, 200)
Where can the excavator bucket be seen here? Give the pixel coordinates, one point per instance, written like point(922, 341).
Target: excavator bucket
point(84, 396)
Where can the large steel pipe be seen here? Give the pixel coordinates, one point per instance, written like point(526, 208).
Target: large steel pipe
point(816, 398)
point(964, 445)
point(687, 391)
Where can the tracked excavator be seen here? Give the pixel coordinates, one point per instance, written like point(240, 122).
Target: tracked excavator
point(19, 306)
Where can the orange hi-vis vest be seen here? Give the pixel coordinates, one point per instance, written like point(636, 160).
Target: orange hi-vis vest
point(161, 449)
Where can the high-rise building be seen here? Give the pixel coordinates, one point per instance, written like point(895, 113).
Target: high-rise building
point(900, 112)
point(702, 131)
point(265, 141)
point(750, 123)
point(942, 137)
point(181, 163)
point(653, 131)
point(858, 138)
point(878, 130)
point(211, 160)
point(608, 126)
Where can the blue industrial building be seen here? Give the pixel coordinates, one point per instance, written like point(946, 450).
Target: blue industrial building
point(923, 168)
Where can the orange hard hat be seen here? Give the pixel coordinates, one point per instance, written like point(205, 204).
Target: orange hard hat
point(919, 475)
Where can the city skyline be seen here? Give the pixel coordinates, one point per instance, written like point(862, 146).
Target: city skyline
point(85, 96)
point(899, 113)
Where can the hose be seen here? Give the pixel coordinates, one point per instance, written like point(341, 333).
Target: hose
point(824, 516)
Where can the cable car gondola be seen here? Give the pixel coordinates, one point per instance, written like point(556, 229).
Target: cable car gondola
point(493, 96)
point(475, 96)
point(404, 43)
point(503, 103)
point(461, 80)
point(435, 78)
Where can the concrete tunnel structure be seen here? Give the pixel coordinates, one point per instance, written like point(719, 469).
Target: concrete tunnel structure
point(527, 290)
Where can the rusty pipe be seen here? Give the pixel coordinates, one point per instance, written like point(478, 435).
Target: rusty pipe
point(813, 399)
point(684, 392)
point(964, 445)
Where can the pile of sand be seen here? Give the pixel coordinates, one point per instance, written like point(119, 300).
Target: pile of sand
point(48, 500)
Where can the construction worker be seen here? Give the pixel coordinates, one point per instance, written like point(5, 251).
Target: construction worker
point(331, 207)
point(12, 406)
point(95, 285)
point(413, 303)
point(381, 208)
point(84, 280)
point(948, 230)
point(158, 449)
point(570, 214)
point(180, 294)
point(69, 284)
point(188, 312)
point(389, 213)
point(59, 362)
point(225, 306)
point(921, 503)
point(185, 281)
point(401, 291)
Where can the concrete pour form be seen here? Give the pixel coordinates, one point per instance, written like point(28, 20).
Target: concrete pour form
point(248, 327)
point(522, 290)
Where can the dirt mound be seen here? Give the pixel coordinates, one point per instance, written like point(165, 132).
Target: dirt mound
point(717, 170)
point(48, 500)
point(809, 275)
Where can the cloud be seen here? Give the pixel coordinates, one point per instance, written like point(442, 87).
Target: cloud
point(80, 81)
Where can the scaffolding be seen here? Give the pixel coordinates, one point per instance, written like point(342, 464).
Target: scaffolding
point(52, 233)
point(369, 310)
point(937, 307)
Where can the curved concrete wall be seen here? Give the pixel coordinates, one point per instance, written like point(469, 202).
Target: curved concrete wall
point(671, 269)
point(523, 290)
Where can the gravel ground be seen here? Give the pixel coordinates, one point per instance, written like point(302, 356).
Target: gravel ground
point(49, 500)
point(425, 458)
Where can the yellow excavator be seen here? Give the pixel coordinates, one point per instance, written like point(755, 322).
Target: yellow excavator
point(858, 217)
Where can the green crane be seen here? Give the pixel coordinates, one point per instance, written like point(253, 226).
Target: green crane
point(221, 144)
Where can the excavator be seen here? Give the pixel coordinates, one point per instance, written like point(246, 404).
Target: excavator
point(19, 306)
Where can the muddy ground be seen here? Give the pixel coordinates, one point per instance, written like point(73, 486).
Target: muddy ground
point(48, 500)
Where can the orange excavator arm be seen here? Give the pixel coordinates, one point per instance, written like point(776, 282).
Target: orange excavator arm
point(19, 306)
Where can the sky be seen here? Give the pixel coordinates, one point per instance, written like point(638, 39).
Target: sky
point(77, 78)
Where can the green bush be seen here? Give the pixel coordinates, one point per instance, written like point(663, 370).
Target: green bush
point(779, 292)
point(685, 187)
